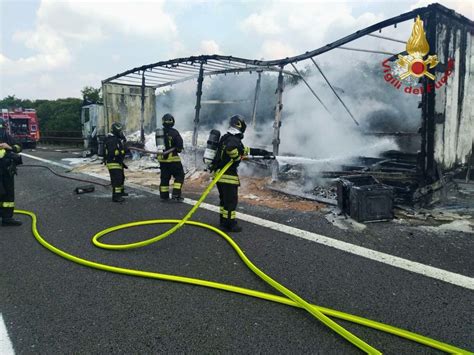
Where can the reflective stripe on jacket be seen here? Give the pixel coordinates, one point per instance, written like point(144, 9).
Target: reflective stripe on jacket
point(172, 140)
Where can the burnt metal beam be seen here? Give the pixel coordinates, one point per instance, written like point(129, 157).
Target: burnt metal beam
point(334, 91)
point(162, 76)
point(365, 50)
point(255, 99)
point(428, 107)
point(233, 71)
point(310, 88)
point(142, 110)
point(397, 134)
point(217, 64)
point(222, 102)
point(124, 81)
point(104, 100)
point(176, 69)
point(209, 66)
point(387, 38)
point(130, 85)
point(229, 63)
point(277, 123)
point(198, 105)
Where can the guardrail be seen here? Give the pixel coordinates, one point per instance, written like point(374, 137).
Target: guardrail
point(62, 137)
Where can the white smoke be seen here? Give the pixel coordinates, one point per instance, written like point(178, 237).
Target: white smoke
point(308, 130)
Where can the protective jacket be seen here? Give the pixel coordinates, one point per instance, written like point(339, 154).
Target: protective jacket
point(114, 152)
point(232, 148)
point(172, 140)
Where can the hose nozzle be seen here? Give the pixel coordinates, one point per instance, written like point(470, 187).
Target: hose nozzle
point(261, 157)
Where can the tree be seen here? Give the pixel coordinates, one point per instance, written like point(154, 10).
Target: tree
point(11, 102)
point(91, 95)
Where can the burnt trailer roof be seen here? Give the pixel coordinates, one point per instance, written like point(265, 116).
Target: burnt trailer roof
point(174, 71)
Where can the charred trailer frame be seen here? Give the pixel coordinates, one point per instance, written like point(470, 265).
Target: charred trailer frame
point(447, 117)
point(447, 129)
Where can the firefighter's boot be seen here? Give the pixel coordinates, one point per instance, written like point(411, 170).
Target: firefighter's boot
point(117, 198)
point(232, 226)
point(11, 222)
point(176, 196)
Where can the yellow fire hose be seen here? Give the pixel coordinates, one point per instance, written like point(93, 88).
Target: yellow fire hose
point(290, 299)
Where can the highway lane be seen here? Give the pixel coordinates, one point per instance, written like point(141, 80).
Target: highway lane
point(51, 305)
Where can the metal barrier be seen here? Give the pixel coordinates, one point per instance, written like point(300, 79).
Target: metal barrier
point(62, 137)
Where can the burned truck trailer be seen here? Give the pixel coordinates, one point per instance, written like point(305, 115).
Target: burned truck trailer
point(443, 143)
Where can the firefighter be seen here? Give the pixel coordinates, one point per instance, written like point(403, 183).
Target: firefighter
point(9, 158)
point(231, 149)
point(170, 163)
point(113, 158)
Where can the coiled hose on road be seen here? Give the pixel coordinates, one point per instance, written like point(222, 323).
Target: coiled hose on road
point(291, 299)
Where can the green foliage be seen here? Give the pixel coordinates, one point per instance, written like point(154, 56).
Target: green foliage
point(60, 115)
point(53, 115)
point(91, 95)
point(10, 102)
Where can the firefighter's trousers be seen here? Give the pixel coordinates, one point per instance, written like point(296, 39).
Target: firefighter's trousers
point(117, 178)
point(228, 199)
point(169, 170)
point(7, 193)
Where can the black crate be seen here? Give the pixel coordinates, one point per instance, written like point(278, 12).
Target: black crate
point(344, 185)
point(371, 203)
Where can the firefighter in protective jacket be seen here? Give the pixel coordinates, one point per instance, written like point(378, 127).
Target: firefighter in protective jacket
point(170, 163)
point(113, 158)
point(9, 159)
point(231, 148)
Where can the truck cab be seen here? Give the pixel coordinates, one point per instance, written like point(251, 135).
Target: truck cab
point(93, 127)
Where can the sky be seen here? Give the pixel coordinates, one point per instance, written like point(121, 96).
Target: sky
point(52, 49)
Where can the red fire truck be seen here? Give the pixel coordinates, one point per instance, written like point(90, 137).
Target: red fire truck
point(23, 125)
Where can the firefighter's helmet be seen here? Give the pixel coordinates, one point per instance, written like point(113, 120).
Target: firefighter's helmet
point(117, 129)
point(167, 120)
point(237, 124)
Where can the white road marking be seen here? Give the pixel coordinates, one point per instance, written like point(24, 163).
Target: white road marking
point(47, 161)
point(395, 261)
point(6, 347)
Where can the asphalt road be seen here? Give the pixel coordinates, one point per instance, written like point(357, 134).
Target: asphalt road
point(51, 305)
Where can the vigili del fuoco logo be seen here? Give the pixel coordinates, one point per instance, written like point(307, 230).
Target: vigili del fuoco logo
point(408, 69)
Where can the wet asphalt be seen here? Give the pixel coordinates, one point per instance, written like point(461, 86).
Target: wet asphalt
point(51, 305)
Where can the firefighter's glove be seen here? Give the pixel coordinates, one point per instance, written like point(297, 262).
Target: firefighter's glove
point(260, 152)
point(124, 166)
